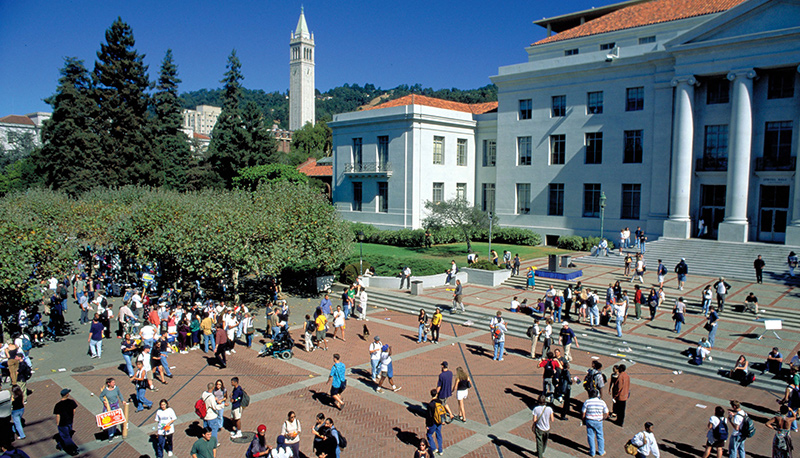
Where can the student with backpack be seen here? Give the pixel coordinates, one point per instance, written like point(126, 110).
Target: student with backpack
point(551, 367)
point(743, 429)
point(434, 420)
point(595, 380)
point(717, 433)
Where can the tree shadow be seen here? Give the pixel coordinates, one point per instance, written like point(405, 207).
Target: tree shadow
point(407, 437)
point(512, 447)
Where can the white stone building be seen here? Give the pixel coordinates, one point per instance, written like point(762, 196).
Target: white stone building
point(30, 123)
point(676, 111)
point(201, 120)
point(302, 97)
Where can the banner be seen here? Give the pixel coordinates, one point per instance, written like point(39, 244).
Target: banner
point(106, 420)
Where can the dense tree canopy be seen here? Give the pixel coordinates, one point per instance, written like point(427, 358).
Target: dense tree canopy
point(169, 140)
point(457, 213)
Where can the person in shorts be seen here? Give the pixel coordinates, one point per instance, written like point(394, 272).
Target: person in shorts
point(713, 438)
point(444, 388)
point(322, 322)
point(236, 408)
point(337, 381)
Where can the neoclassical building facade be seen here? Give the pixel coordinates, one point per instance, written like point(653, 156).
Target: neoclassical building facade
point(681, 116)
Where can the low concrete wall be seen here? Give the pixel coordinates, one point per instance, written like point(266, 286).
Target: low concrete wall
point(487, 277)
point(428, 281)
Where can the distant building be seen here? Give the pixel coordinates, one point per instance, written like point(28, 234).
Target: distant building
point(675, 111)
point(17, 124)
point(301, 81)
point(321, 169)
point(201, 120)
point(283, 137)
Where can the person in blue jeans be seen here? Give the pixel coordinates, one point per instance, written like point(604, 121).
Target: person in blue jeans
point(17, 410)
point(499, 336)
point(735, 419)
point(64, 411)
point(140, 380)
point(434, 427)
point(594, 412)
point(128, 347)
point(677, 314)
point(164, 346)
point(713, 319)
point(422, 335)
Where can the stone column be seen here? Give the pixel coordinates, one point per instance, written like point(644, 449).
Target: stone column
point(679, 224)
point(735, 228)
point(793, 229)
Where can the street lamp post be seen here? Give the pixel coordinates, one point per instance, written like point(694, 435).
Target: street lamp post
point(490, 235)
point(602, 212)
point(360, 236)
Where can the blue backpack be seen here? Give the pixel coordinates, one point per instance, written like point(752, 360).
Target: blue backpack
point(720, 431)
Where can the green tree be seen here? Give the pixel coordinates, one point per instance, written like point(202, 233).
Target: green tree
point(70, 156)
point(224, 152)
point(260, 145)
point(456, 213)
point(170, 142)
point(121, 85)
point(250, 177)
point(311, 141)
point(20, 146)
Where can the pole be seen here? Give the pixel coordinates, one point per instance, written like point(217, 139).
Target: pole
point(490, 235)
point(360, 258)
point(125, 425)
point(602, 218)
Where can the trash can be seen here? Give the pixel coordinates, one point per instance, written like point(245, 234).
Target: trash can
point(552, 262)
point(416, 287)
point(565, 260)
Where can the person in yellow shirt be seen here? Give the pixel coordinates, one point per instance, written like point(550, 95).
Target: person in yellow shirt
point(321, 321)
point(436, 322)
point(206, 325)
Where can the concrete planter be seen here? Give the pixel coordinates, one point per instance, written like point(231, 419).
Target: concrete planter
point(428, 281)
point(487, 277)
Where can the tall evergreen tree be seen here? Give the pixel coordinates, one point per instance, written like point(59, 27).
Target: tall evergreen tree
point(121, 85)
point(170, 143)
point(261, 146)
point(71, 144)
point(224, 152)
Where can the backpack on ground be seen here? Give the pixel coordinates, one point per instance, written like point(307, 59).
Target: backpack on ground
point(342, 440)
point(720, 432)
point(245, 402)
point(200, 409)
point(748, 428)
point(439, 413)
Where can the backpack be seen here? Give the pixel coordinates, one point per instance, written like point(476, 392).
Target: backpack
point(26, 344)
point(245, 402)
point(496, 333)
point(748, 428)
point(529, 332)
point(590, 381)
point(104, 302)
point(662, 270)
point(720, 431)
point(342, 440)
point(549, 369)
point(200, 409)
point(62, 292)
point(24, 372)
point(439, 413)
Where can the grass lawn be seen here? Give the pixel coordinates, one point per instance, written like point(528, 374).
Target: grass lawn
point(457, 251)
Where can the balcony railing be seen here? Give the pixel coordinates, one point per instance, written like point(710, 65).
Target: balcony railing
point(768, 163)
point(711, 164)
point(369, 168)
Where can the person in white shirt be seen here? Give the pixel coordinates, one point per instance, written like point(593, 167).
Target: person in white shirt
point(148, 335)
point(231, 324)
point(542, 417)
point(291, 432)
point(52, 283)
point(620, 310)
point(646, 442)
point(375, 357)
point(137, 300)
point(144, 358)
point(338, 323)
point(165, 418)
point(514, 305)
point(362, 298)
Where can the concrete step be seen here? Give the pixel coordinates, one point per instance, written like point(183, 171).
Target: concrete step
point(644, 350)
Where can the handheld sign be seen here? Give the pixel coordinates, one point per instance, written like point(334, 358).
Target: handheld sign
point(106, 420)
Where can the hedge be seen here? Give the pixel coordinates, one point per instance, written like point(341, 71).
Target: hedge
point(578, 243)
point(484, 264)
point(416, 237)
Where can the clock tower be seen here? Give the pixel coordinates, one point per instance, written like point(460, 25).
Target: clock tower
point(301, 81)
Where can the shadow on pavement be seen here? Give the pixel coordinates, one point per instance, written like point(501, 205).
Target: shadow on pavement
point(512, 447)
point(407, 437)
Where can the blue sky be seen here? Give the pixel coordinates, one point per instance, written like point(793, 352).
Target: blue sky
point(439, 44)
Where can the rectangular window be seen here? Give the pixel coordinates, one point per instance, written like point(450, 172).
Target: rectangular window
point(646, 40)
point(559, 106)
point(571, 52)
point(525, 109)
point(781, 84)
point(383, 151)
point(594, 147)
point(523, 198)
point(383, 197)
point(778, 141)
point(524, 150)
point(438, 150)
point(461, 191)
point(558, 147)
point(487, 197)
point(438, 192)
point(461, 152)
point(633, 147)
point(634, 99)
point(607, 46)
point(715, 148)
point(358, 157)
point(489, 153)
point(631, 198)
point(555, 207)
point(591, 200)
point(594, 102)
point(717, 90)
point(358, 196)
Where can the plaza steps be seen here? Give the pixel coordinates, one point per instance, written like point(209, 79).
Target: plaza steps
point(693, 303)
point(709, 258)
point(644, 350)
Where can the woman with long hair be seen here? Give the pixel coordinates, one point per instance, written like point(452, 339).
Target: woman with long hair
point(17, 410)
point(221, 395)
point(422, 336)
point(165, 418)
point(462, 391)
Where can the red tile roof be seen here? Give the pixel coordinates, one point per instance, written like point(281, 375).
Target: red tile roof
point(414, 99)
point(311, 169)
point(654, 12)
point(200, 136)
point(17, 119)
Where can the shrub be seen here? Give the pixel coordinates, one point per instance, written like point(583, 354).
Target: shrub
point(589, 242)
point(484, 264)
point(516, 236)
point(391, 267)
point(369, 230)
point(349, 273)
point(571, 242)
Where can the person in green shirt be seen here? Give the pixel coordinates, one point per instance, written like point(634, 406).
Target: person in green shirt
point(194, 328)
point(112, 400)
point(203, 447)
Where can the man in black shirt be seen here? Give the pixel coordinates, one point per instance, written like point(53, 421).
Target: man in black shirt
point(64, 411)
point(759, 264)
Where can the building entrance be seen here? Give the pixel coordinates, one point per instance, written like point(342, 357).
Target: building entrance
point(712, 209)
point(772, 214)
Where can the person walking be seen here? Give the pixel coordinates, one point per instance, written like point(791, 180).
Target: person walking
point(291, 430)
point(207, 326)
point(322, 323)
point(516, 263)
point(551, 367)
point(462, 391)
point(736, 418)
point(499, 338)
point(594, 412)
point(534, 332)
point(565, 389)
point(337, 381)
point(682, 269)
point(205, 447)
point(64, 411)
point(721, 287)
point(362, 304)
point(782, 441)
point(567, 337)
point(338, 323)
point(140, 381)
point(444, 388)
point(620, 391)
point(308, 334)
point(645, 442)
point(791, 261)
point(422, 319)
point(717, 433)
point(531, 279)
point(112, 399)
point(165, 420)
point(436, 324)
point(458, 294)
point(17, 411)
point(661, 271)
point(405, 276)
point(621, 312)
point(542, 417)
point(678, 314)
point(212, 421)
point(221, 339)
point(547, 336)
point(387, 369)
point(434, 420)
point(375, 357)
point(258, 446)
point(237, 394)
point(96, 337)
point(711, 325)
point(758, 265)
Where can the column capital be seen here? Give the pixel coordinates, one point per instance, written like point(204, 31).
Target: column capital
point(748, 73)
point(684, 79)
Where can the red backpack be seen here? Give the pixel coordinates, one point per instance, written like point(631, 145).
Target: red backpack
point(200, 409)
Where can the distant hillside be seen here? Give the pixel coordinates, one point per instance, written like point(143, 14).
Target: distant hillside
point(340, 99)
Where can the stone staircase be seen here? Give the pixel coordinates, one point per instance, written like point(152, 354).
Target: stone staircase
point(643, 350)
point(711, 258)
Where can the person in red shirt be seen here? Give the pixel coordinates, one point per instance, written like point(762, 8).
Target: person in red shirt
point(620, 391)
point(552, 367)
